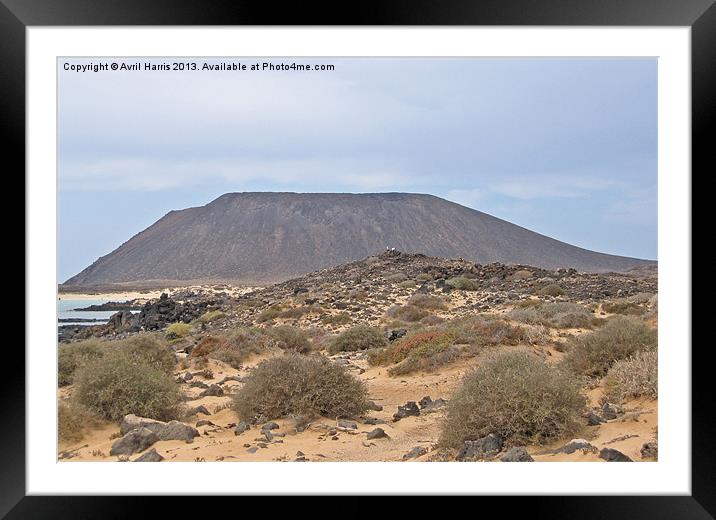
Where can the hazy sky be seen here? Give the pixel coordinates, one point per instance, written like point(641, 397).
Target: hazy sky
point(564, 147)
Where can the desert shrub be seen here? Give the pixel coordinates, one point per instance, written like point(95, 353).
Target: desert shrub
point(72, 421)
point(427, 301)
point(298, 312)
point(517, 396)
point(269, 314)
point(592, 354)
point(396, 277)
point(150, 350)
point(462, 283)
point(431, 319)
point(561, 315)
point(408, 313)
point(530, 302)
point(178, 330)
point(298, 385)
point(417, 344)
point(342, 318)
point(358, 294)
point(482, 331)
point(232, 349)
point(120, 383)
point(210, 316)
point(522, 274)
point(360, 337)
point(552, 289)
point(407, 284)
point(290, 339)
point(72, 355)
point(423, 277)
point(626, 308)
point(636, 376)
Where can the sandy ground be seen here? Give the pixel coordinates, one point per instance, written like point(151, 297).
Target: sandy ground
point(218, 442)
point(148, 295)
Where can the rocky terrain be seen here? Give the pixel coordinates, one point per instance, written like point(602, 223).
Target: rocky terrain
point(259, 238)
point(481, 310)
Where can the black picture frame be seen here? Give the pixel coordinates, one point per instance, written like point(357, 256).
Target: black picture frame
point(699, 15)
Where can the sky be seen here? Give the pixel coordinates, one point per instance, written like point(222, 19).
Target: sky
point(564, 147)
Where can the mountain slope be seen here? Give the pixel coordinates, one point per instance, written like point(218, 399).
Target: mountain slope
point(267, 237)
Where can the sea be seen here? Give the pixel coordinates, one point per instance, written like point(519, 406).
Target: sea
point(66, 310)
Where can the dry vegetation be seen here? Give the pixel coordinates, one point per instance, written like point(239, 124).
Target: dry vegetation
point(296, 385)
point(517, 396)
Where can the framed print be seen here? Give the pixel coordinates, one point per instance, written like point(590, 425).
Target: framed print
point(408, 244)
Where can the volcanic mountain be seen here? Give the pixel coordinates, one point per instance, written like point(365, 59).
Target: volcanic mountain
point(269, 237)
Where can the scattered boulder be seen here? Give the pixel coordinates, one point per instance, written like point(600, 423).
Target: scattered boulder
point(345, 423)
point(516, 454)
point(373, 421)
point(213, 390)
point(612, 455)
point(204, 422)
point(611, 411)
point(427, 405)
point(593, 419)
point(392, 335)
point(270, 426)
point(574, 445)
point(241, 428)
point(134, 441)
point(375, 407)
point(485, 447)
point(650, 450)
point(173, 430)
point(377, 433)
point(418, 451)
point(149, 456)
point(199, 409)
point(407, 410)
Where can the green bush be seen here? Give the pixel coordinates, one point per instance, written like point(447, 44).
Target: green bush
point(299, 385)
point(517, 396)
point(360, 337)
point(633, 377)
point(422, 350)
point(462, 283)
point(290, 339)
point(178, 330)
point(120, 383)
point(592, 354)
point(552, 289)
point(396, 277)
point(269, 314)
point(342, 318)
point(409, 313)
point(149, 349)
point(427, 301)
point(210, 316)
point(624, 307)
point(72, 355)
point(561, 315)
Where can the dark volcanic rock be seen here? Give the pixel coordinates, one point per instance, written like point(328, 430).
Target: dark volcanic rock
point(377, 433)
point(149, 456)
point(418, 451)
point(487, 446)
point(132, 442)
point(516, 454)
point(649, 450)
point(612, 455)
point(408, 409)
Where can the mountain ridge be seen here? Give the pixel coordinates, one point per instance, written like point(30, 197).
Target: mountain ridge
point(273, 236)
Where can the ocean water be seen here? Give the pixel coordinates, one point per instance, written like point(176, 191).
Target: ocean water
point(65, 309)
